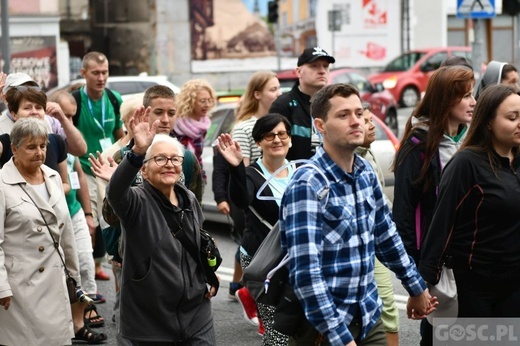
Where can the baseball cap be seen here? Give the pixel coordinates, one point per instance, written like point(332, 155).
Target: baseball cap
point(312, 54)
point(16, 79)
point(455, 60)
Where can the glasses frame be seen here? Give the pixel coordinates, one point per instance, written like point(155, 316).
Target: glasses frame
point(170, 159)
point(269, 134)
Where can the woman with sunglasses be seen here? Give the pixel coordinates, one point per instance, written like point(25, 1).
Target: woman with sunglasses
point(272, 134)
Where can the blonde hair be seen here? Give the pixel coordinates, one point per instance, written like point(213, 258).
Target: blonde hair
point(249, 104)
point(188, 96)
point(96, 57)
point(129, 106)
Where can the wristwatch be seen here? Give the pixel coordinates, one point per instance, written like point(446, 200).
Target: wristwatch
point(134, 159)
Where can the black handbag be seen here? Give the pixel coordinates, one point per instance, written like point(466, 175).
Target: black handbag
point(72, 285)
point(208, 256)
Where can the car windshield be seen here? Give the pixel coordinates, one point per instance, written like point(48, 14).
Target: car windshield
point(404, 62)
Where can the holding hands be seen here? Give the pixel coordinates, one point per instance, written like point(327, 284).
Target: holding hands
point(420, 306)
point(229, 149)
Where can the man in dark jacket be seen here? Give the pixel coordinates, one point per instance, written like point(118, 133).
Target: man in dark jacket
point(313, 74)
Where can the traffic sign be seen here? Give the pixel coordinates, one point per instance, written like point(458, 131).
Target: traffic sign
point(476, 8)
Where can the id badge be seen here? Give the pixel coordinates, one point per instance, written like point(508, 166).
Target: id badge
point(74, 180)
point(105, 143)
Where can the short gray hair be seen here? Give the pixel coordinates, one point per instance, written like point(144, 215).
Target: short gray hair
point(28, 128)
point(160, 138)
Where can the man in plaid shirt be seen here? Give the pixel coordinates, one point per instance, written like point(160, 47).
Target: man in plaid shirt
point(332, 236)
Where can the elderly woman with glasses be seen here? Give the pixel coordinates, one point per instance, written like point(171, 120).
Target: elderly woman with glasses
point(272, 134)
point(35, 231)
point(194, 104)
point(163, 286)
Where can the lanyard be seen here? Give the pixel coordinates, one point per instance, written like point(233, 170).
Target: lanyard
point(92, 111)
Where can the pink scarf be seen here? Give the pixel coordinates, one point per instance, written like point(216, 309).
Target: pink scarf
point(192, 128)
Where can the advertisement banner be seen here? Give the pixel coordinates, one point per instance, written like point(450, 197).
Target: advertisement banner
point(36, 56)
point(230, 35)
point(368, 35)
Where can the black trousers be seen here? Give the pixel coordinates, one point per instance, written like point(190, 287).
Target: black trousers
point(488, 293)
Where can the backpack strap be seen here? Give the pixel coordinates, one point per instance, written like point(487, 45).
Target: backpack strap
point(111, 96)
point(114, 101)
point(77, 96)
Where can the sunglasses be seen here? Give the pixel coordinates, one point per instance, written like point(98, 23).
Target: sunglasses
point(24, 88)
point(281, 135)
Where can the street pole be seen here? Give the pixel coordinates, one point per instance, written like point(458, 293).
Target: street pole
point(517, 40)
point(278, 45)
point(4, 45)
point(478, 47)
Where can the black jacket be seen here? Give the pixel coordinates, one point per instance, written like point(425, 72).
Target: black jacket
point(476, 217)
point(296, 107)
point(410, 201)
point(243, 186)
point(162, 287)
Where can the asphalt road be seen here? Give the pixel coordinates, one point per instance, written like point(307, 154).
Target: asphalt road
point(230, 326)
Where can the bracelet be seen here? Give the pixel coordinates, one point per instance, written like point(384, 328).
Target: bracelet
point(89, 214)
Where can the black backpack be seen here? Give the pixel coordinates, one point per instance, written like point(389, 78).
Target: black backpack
point(111, 96)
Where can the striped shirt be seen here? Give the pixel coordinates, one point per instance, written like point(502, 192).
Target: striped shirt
point(332, 243)
point(243, 134)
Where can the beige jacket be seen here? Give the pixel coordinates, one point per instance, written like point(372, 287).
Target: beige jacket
point(30, 268)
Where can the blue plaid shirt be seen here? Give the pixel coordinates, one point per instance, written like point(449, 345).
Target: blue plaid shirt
point(331, 245)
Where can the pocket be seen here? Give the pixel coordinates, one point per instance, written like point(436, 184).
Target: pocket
point(142, 270)
point(14, 267)
point(337, 228)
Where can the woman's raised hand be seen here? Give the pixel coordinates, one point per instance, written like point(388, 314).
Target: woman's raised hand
point(143, 132)
point(229, 149)
point(101, 168)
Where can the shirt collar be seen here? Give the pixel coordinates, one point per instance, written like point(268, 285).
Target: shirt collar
point(336, 172)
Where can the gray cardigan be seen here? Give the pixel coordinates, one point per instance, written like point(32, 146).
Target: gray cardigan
point(162, 288)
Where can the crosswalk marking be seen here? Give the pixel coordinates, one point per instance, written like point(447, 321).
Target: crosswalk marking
point(226, 275)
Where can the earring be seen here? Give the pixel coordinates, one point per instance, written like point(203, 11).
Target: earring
point(290, 144)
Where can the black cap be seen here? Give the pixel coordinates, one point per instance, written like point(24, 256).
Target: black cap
point(312, 54)
point(455, 60)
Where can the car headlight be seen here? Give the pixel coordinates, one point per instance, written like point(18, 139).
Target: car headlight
point(390, 83)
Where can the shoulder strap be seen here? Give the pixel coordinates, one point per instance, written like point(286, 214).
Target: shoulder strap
point(54, 145)
point(113, 100)
point(77, 96)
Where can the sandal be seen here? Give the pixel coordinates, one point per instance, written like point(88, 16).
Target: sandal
point(89, 336)
point(92, 318)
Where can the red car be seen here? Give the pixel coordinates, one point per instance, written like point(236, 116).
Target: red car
point(382, 103)
point(407, 75)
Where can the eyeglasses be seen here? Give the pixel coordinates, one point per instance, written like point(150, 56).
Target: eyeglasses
point(281, 135)
point(163, 160)
point(205, 101)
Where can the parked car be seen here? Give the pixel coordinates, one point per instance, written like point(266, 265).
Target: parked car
point(222, 121)
point(381, 101)
point(127, 85)
point(407, 75)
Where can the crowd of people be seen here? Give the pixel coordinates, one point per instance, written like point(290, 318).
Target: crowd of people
point(80, 169)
